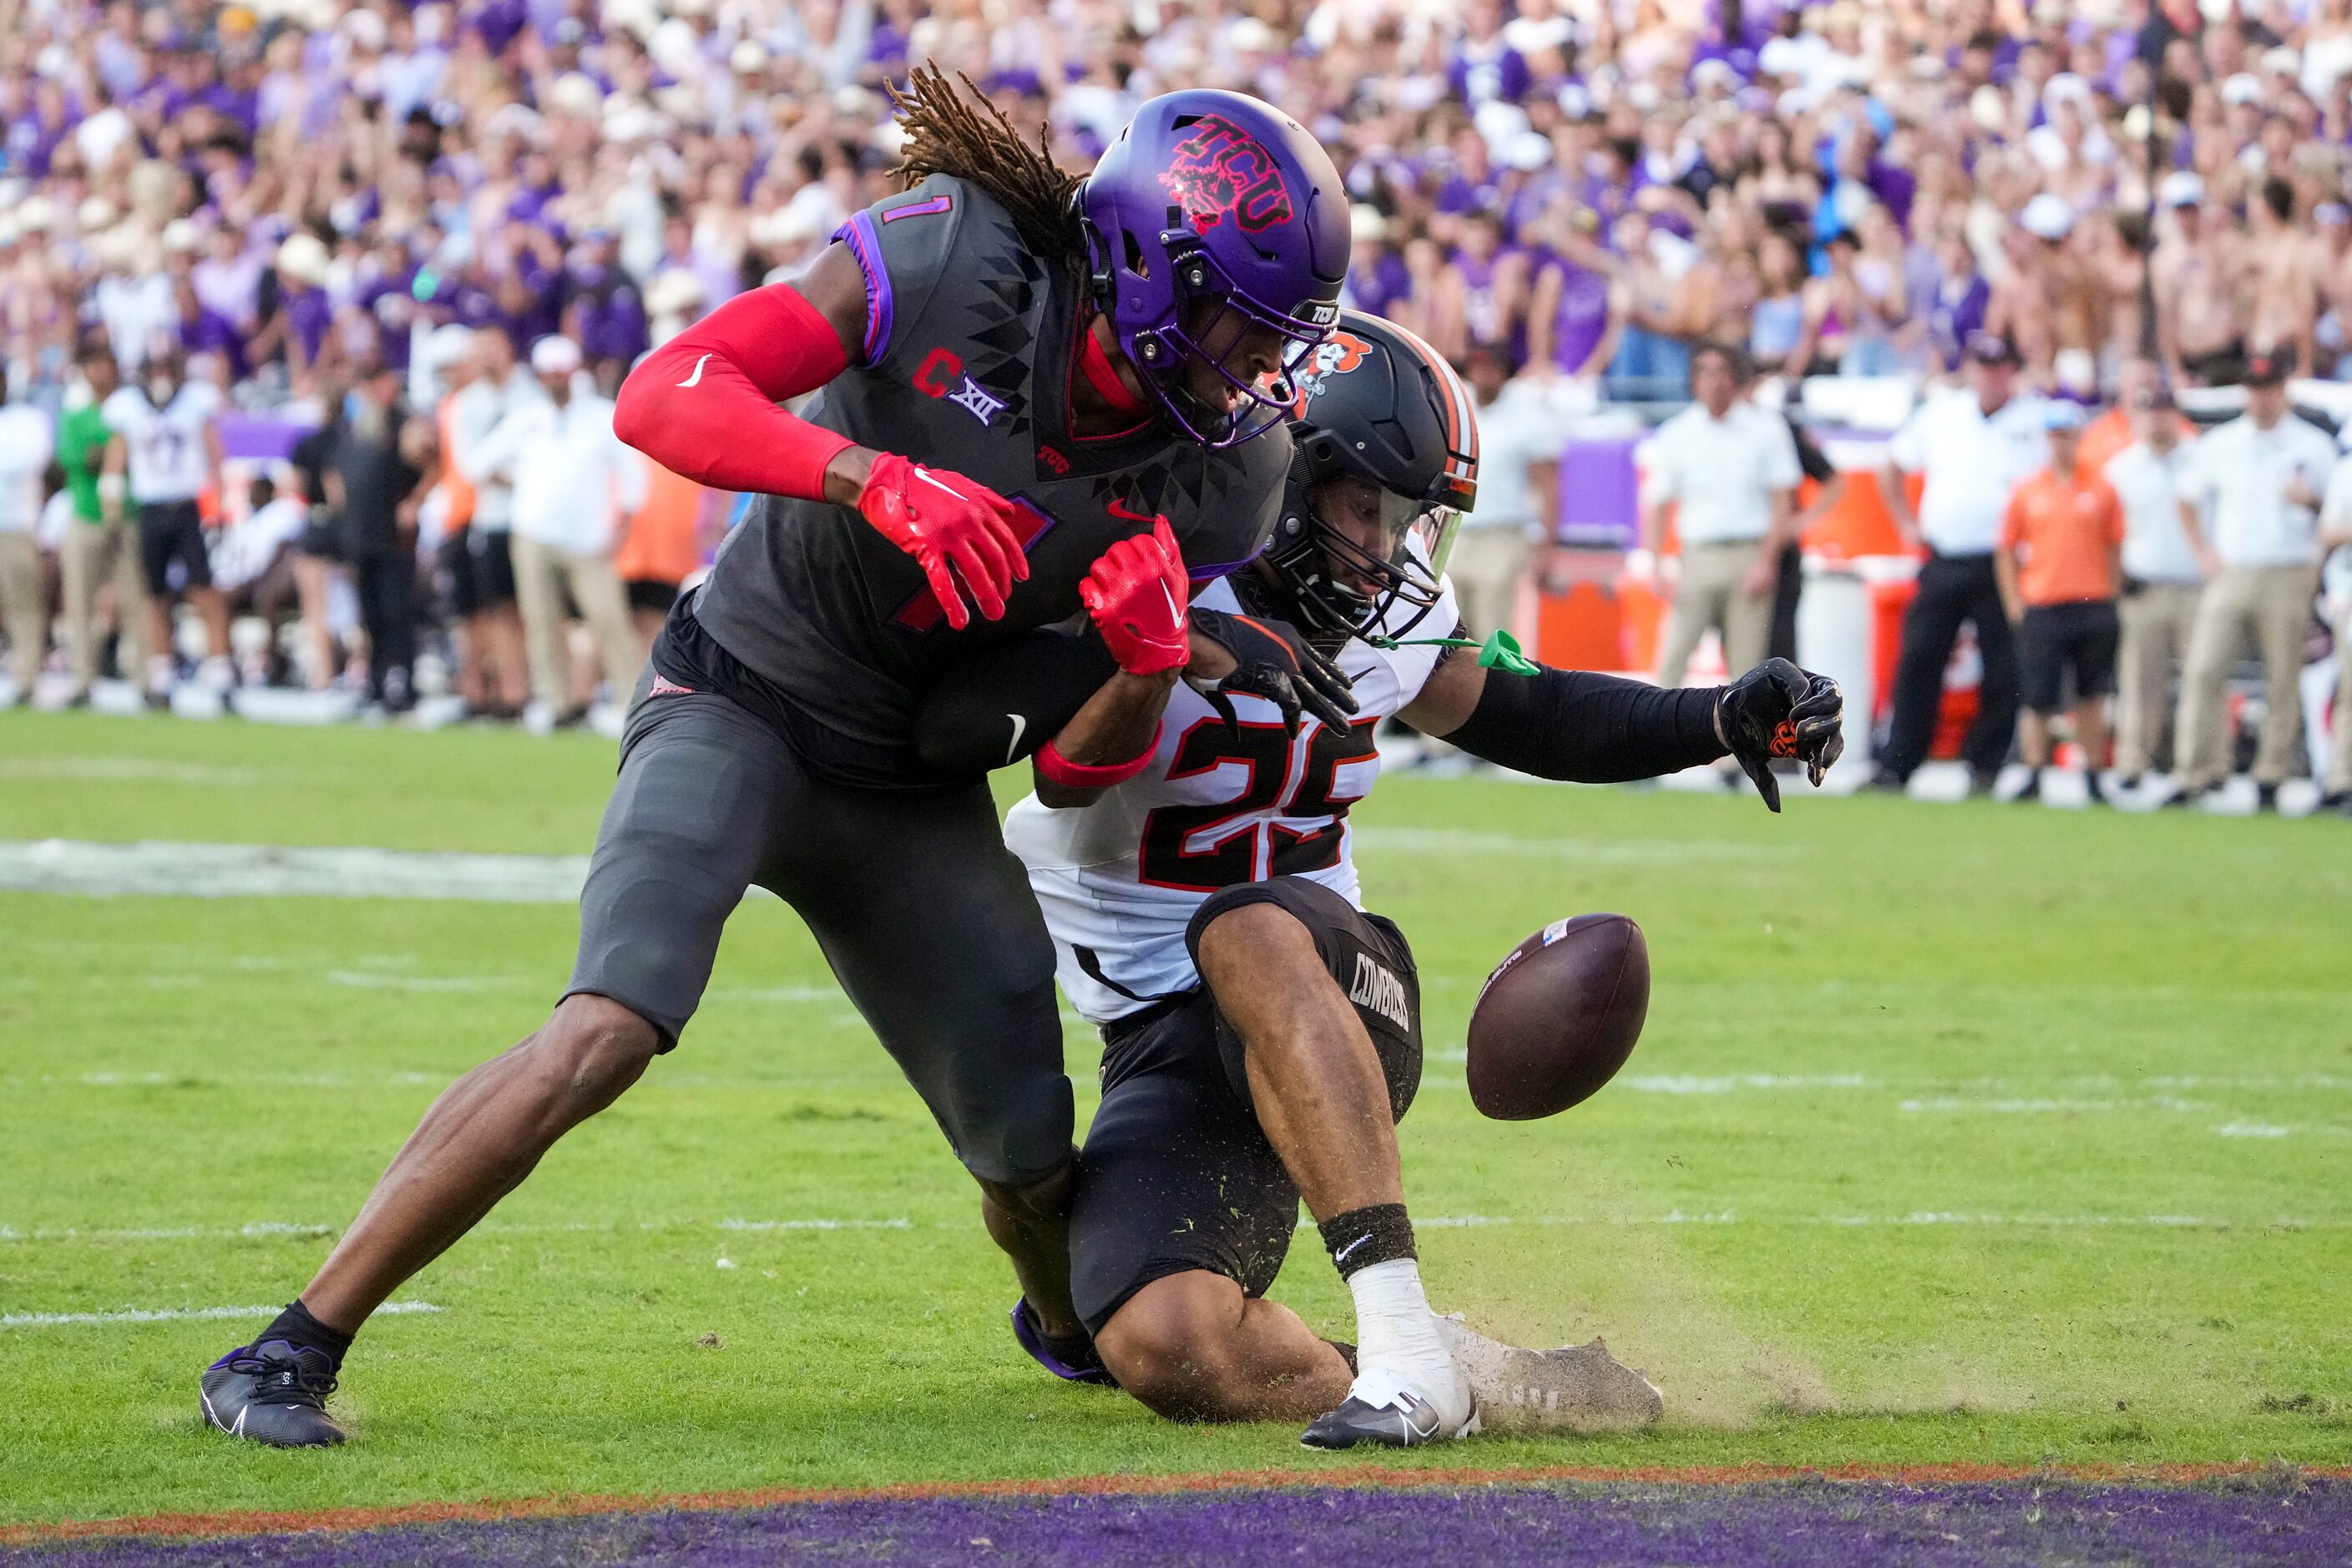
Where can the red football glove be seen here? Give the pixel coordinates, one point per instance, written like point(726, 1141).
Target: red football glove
point(943, 519)
point(1135, 594)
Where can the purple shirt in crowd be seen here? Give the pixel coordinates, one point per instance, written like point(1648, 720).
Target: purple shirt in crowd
point(1375, 291)
point(1581, 319)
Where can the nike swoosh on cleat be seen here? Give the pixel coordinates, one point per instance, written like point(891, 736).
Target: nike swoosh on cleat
point(1020, 728)
point(696, 379)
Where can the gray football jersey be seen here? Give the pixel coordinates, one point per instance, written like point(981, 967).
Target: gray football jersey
point(970, 347)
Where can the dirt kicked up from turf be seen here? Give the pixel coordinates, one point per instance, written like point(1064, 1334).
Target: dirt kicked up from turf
point(2257, 1521)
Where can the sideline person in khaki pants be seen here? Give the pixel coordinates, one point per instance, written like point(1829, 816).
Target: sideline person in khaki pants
point(24, 617)
point(543, 576)
point(1733, 468)
point(2272, 604)
point(2336, 534)
point(2258, 480)
point(2338, 794)
point(1519, 440)
point(2161, 581)
point(574, 479)
point(96, 551)
point(27, 442)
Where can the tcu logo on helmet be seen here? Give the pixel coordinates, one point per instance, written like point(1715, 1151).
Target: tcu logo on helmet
point(1220, 168)
point(1335, 356)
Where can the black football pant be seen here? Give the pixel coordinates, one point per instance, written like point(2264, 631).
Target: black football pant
point(926, 918)
point(1177, 1173)
point(1952, 589)
point(386, 584)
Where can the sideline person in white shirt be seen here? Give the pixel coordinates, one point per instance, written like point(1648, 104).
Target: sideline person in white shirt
point(573, 480)
point(2334, 533)
point(1519, 440)
point(1972, 448)
point(1733, 468)
point(164, 454)
point(27, 442)
point(2161, 582)
point(491, 386)
point(2249, 508)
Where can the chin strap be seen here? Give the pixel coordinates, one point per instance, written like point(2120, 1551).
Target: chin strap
point(1500, 651)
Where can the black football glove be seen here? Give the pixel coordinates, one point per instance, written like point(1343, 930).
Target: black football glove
point(1779, 710)
point(1272, 661)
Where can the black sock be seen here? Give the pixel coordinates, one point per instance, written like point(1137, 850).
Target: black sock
point(296, 1327)
point(1377, 1233)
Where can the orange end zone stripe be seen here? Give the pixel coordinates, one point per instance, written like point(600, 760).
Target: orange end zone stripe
point(258, 1522)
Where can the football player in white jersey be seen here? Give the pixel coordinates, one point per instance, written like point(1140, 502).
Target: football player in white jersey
point(1188, 843)
point(165, 452)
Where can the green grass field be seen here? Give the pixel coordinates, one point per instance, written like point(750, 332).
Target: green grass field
point(1957, 1134)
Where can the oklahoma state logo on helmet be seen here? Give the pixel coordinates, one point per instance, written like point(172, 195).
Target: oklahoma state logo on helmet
point(1220, 168)
point(1335, 356)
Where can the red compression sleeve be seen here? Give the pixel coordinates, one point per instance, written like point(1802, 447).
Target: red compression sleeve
point(704, 404)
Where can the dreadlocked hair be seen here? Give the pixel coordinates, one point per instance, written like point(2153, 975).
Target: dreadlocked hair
point(948, 132)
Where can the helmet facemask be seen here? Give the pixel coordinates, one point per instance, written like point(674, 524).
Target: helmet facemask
point(1355, 559)
point(1220, 329)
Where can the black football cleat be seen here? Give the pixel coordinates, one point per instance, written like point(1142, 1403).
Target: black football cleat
point(273, 1393)
point(1073, 1359)
point(1407, 1421)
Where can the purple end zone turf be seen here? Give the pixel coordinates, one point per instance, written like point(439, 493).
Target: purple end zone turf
point(1852, 1523)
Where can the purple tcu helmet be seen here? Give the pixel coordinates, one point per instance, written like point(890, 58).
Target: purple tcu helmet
point(1212, 206)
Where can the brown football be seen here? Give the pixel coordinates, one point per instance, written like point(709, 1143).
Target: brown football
point(1558, 1017)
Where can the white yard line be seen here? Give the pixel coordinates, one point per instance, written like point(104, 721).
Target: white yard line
point(816, 1224)
point(171, 1315)
point(1730, 1082)
point(276, 1228)
point(123, 770)
point(159, 869)
point(156, 869)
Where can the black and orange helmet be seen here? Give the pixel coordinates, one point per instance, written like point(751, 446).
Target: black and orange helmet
point(1376, 403)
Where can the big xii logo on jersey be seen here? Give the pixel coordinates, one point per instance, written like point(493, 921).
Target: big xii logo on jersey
point(1220, 168)
point(936, 377)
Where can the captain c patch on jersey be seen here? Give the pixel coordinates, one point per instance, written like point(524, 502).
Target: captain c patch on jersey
point(937, 375)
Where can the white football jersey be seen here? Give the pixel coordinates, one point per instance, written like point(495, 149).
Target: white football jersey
point(168, 460)
point(1119, 880)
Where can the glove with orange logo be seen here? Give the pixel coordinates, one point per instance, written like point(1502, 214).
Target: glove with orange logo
point(1779, 710)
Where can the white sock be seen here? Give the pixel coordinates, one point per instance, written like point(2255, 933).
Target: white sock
point(1397, 1346)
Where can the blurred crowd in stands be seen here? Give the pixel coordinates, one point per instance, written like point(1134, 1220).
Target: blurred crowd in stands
point(399, 227)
